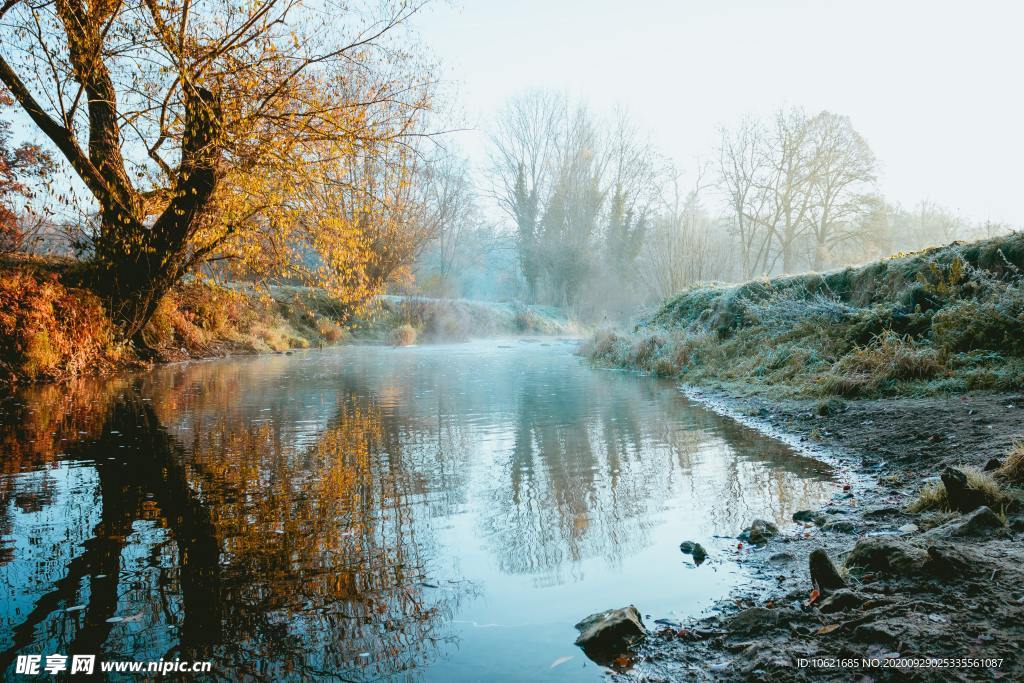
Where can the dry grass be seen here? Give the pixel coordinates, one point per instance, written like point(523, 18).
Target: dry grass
point(403, 335)
point(933, 495)
point(1012, 469)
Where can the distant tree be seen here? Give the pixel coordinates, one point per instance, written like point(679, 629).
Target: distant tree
point(19, 165)
point(741, 165)
point(842, 174)
point(631, 191)
point(795, 186)
point(524, 147)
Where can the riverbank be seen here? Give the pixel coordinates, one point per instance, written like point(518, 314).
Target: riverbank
point(910, 372)
point(921, 581)
point(52, 329)
point(940, 321)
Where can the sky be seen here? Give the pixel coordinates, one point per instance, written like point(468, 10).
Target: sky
point(934, 87)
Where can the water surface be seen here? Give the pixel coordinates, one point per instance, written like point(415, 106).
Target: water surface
point(364, 513)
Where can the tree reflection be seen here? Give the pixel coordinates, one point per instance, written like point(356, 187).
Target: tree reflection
point(279, 516)
point(266, 558)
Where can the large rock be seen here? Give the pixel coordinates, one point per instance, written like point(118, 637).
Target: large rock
point(823, 573)
point(949, 562)
point(887, 555)
point(759, 532)
point(606, 635)
point(975, 523)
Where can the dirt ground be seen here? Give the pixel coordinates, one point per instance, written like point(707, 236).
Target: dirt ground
point(941, 599)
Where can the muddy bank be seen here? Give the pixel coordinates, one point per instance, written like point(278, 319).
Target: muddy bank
point(943, 588)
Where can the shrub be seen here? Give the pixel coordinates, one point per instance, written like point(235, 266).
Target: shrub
point(49, 331)
point(403, 335)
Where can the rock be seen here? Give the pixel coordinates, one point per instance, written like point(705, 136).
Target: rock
point(878, 632)
point(992, 465)
point(694, 549)
point(781, 558)
point(756, 619)
point(606, 635)
point(961, 497)
point(803, 516)
point(840, 601)
point(823, 573)
point(759, 532)
point(840, 526)
point(809, 516)
point(887, 555)
point(975, 523)
point(948, 562)
point(909, 528)
point(699, 554)
point(881, 512)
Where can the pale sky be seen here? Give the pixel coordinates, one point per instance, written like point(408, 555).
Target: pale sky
point(935, 87)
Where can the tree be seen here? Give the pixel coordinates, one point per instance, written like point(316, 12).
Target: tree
point(843, 169)
point(685, 245)
point(631, 185)
point(795, 186)
point(18, 166)
point(524, 147)
point(186, 119)
point(450, 213)
point(741, 163)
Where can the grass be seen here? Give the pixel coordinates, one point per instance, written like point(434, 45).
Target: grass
point(933, 494)
point(1012, 469)
point(947, 319)
point(403, 335)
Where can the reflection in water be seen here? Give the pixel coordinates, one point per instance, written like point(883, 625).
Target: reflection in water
point(365, 513)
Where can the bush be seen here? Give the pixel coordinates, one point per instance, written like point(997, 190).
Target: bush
point(49, 331)
point(403, 335)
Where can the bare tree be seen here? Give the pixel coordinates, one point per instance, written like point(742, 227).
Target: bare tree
point(843, 170)
point(741, 165)
point(685, 245)
point(524, 147)
point(449, 213)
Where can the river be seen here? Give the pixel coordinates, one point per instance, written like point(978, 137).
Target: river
point(362, 513)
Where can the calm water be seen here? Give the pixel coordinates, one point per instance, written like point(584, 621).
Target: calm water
point(439, 513)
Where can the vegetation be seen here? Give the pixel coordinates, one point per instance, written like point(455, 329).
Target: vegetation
point(403, 335)
point(933, 495)
point(445, 320)
point(944, 319)
point(49, 330)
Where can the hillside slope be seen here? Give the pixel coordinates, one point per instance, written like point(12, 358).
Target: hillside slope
point(944, 319)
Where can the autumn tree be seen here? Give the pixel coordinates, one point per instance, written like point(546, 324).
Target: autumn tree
point(192, 123)
point(19, 166)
